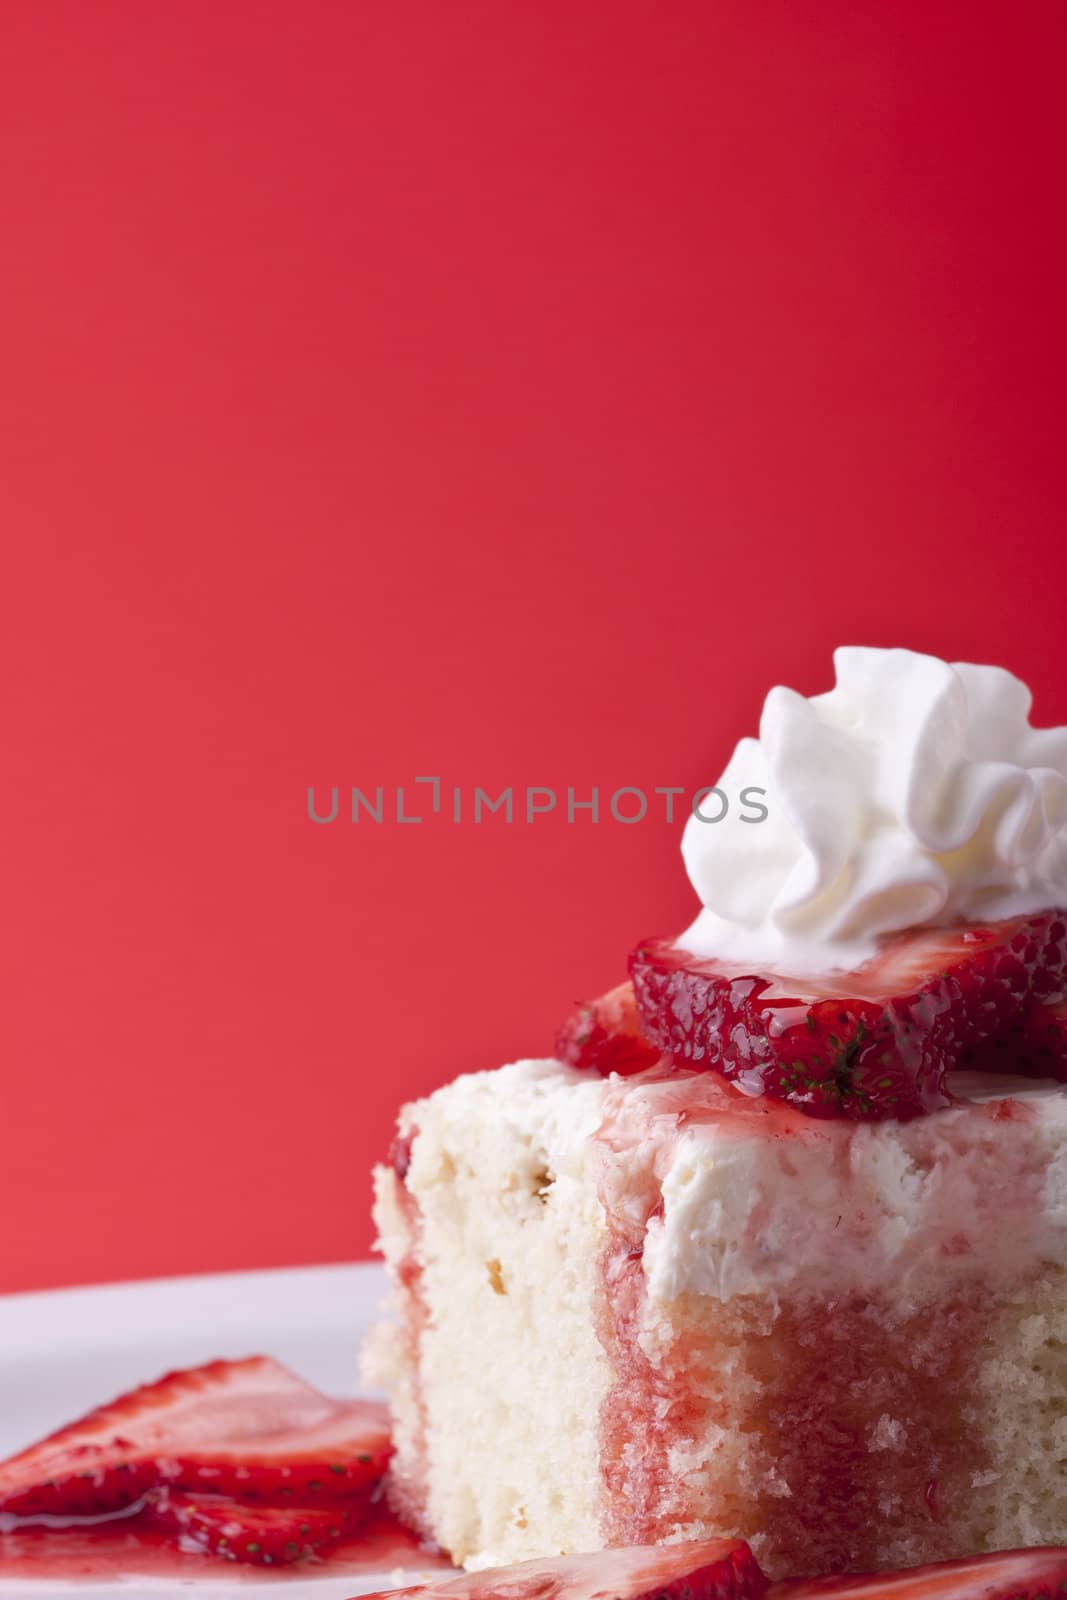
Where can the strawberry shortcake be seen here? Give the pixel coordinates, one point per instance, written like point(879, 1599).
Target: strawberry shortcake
point(774, 1246)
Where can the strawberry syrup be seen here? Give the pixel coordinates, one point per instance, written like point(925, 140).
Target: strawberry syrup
point(849, 1413)
point(408, 1496)
point(123, 1547)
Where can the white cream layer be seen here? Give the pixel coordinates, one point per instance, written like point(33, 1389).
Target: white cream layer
point(783, 1203)
point(903, 1206)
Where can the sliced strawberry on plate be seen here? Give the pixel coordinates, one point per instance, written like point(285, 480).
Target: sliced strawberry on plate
point(726, 1570)
point(606, 1035)
point(263, 1536)
point(872, 1043)
point(713, 1569)
point(1038, 1574)
point(247, 1428)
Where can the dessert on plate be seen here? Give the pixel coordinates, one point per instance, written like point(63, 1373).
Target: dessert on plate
point(773, 1248)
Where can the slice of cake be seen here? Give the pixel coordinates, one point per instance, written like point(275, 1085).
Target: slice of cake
point(758, 1260)
point(656, 1309)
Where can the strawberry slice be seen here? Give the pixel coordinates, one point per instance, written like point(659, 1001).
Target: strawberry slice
point(246, 1428)
point(711, 1569)
point(263, 1536)
point(1038, 1574)
point(1034, 1045)
point(872, 1043)
point(606, 1035)
point(1046, 1041)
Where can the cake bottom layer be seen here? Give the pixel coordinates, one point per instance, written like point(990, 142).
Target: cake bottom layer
point(846, 1434)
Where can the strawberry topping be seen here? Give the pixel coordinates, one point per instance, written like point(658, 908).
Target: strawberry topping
point(713, 1569)
point(249, 1428)
point(724, 1569)
point(1038, 1574)
point(876, 1042)
point(1034, 1044)
point(606, 1035)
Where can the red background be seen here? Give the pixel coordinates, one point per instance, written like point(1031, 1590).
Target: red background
point(506, 391)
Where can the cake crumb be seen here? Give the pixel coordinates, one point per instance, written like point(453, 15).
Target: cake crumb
point(887, 1434)
point(496, 1276)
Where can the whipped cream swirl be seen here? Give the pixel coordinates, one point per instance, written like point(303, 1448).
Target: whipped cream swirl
point(912, 794)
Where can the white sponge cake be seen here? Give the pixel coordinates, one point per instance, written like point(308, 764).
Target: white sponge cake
point(652, 1309)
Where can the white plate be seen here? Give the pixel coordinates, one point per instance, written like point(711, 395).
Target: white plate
point(67, 1350)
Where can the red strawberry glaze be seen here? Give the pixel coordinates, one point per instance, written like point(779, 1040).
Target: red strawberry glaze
point(818, 1376)
point(409, 1499)
point(650, 1407)
point(125, 1548)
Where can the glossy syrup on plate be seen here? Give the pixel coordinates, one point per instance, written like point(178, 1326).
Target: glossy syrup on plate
point(124, 1548)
